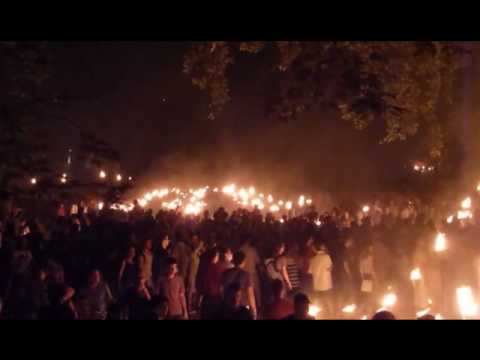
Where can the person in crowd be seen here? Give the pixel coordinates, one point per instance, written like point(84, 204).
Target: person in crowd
point(138, 299)
point(128, 273)
point(368, 280)
point(226, 257)
point(60, 306)
point(97, 295)
point(145, 262)
point(159, 308)
point(212, 284)
point(383, 315)
point(171, 286)
point(321, 269)
point(252, 265)
point(301, 307)
point(293, 263)
point(238, 275)
point(160, 257)
point(231, 307)
point(198, 249)
point(281, 307)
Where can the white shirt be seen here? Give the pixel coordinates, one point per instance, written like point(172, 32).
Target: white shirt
point(321, 270)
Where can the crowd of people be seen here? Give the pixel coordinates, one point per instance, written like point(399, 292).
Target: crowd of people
point(94, 265)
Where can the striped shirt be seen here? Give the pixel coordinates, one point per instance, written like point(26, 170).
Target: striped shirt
point(293, 273)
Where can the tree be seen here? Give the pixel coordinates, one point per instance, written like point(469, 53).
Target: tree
point(400, 86)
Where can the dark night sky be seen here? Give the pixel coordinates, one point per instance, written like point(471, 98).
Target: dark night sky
point(139, 99)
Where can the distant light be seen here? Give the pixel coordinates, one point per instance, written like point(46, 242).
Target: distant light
point(130, 178)
point(102, 174)
point(63, 180)
point(33, 181)
point(366, 209)
point(100, 205)
point(119, 177)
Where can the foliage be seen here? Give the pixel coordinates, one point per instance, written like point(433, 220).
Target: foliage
point(399, 86)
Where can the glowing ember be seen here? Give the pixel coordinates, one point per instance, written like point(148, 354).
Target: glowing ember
point(415, 274)
point(102, 174)
point(466, 303)
point(440, 242)
point(349, 309)
point(313, 310)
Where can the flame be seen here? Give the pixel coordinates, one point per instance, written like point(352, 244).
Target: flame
point(274, 208)
point(313, 310)
point(349, 309)
point(423, 312)
point(288, 205)
point(464, 214)
point(450, 219)
point(467, 203)
point(366, 209)
point(389, 300)
point(102, 174)
point(440, 242)
point(415, 274)
point(301, 201)
point(119, 177)
point(63, 180)
point(466, 302)
point(100, 206)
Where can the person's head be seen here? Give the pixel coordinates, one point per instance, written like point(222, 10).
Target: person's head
point(239, 259)
point(131, 252)
point(95, 277)
point(160, 306)
point(165, 242)
point(171, 267)
point(227, 254)
point(41, 274)
point(213, 256)
point(279, 249)
point(320, 246)
point(148, 244)
point(278, 289)
point(383, 315)
point(301, 305)
point(195, 241)
point(427, 317)
point(233, 294)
